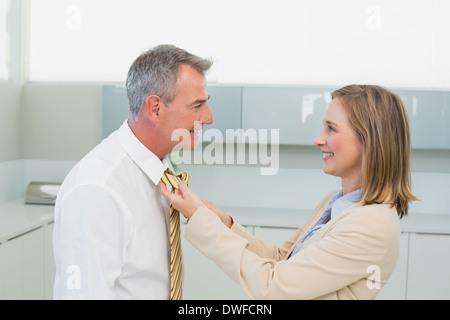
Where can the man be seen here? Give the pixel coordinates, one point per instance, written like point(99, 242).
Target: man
point(111, 234)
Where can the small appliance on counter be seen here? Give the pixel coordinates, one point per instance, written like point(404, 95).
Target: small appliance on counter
point(42, 192)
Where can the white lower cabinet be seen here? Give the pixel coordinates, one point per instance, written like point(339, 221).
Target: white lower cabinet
point(22, 276)
point(27, 266)
point(203, 280)
point(429, 267)
point(49, 262)
point(1, 273)
point(395, 288)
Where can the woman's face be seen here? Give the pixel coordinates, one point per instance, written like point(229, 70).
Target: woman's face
point(341, 148)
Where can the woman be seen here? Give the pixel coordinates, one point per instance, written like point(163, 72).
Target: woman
point(349, 246)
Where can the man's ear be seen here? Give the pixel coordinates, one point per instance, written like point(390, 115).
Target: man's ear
point(152, 107)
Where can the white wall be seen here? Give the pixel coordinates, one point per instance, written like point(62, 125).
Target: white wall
point(400, 43)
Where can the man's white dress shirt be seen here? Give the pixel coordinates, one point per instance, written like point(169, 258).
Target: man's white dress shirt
point(111, 238)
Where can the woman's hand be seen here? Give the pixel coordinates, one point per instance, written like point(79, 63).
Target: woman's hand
point(183, 199)
point(187, 202)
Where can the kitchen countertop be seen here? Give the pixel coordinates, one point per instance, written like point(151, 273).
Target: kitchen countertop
point(268, 217)
point(293, 218)
point(17, 218)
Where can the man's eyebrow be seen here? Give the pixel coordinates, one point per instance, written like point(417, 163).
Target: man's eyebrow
point(201, 100)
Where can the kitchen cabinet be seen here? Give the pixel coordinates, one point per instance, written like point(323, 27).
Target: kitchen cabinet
point(27, 268)
point(296, 112)
point(2, 295)
point(22, 260)
point(202, 278)
point(225, 105)
point(429, 117)
point(429, 267)
point(395, 288)
point(115, 108)
point(26, 253)
point(49, 262)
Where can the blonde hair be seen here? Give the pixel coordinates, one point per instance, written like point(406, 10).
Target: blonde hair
point(380, 120)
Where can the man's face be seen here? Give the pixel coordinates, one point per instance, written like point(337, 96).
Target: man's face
point(188, 111)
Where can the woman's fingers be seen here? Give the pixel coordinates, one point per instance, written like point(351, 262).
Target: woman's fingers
point(182, 199)
point(182, 186)
point(166, 193)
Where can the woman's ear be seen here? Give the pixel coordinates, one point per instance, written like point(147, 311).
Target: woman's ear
point(152, 107)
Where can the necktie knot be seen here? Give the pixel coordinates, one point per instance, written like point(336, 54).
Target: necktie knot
point(174, 179)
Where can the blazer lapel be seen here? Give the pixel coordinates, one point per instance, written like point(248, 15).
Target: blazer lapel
point(315, 216)
point(326, 227)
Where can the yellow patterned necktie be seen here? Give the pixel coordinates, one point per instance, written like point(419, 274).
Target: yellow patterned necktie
point(175, 241)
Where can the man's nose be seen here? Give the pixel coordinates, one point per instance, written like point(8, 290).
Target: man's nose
point(207, 116)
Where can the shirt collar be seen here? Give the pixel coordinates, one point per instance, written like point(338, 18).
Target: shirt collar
point(152, 166)
point(341, 202)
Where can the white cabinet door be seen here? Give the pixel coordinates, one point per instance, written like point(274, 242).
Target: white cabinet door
point(225, 106)
point(203, 280)
point(295, 111)
point(115, 108)
point(395, 288)
point(429, 117)
point(49, 261)
point(1, 273)
point(429, 267)
point(23, 266)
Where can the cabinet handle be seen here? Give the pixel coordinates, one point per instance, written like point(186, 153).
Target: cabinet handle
point(22, 234)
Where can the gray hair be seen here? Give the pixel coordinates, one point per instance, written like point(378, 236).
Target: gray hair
point(155, 72)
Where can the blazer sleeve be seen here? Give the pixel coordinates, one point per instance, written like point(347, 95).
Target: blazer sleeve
point(275, 252)
point(265, 250)
point(325, 266)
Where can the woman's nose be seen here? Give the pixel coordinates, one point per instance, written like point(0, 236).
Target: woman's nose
point(320, 140)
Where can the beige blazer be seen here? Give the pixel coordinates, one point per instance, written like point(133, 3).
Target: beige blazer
point(350, 257)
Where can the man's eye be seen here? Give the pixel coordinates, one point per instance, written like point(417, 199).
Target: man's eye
point(331, 128)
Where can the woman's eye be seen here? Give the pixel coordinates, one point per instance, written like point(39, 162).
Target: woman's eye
point(331, 128)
